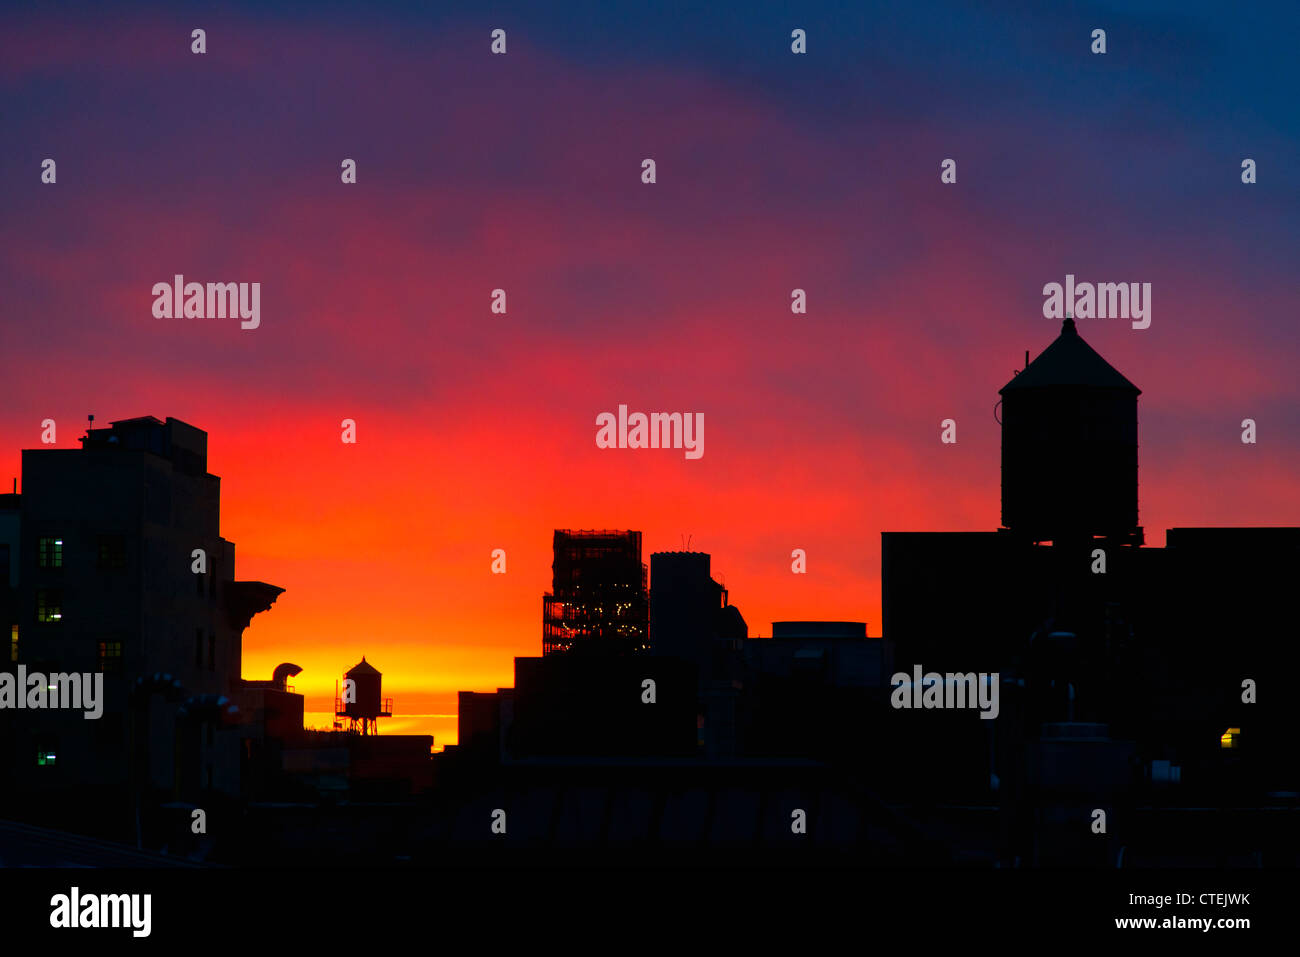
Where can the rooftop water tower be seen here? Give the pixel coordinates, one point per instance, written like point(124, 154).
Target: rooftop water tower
point(1069, 446)
point(362, 703)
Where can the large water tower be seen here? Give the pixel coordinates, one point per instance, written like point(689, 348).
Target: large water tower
point(367, 702)
point(1069, 446)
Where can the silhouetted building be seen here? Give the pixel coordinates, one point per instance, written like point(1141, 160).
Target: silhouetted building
point(583, 706)
point(357, 766)
point(1122, 668)
point(690, 617)
point(272, 714)
point(597, 603)
point(808, 689)
point(615, 706)
point(479, 722)
point(1224, 614)
point(692, 620)
point(285, 761)
point(838, 653)
point(964, 600)
point(10, 524)
point(272, 707)
point(120, 569)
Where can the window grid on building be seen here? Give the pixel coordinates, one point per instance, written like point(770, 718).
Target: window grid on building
point(50, 553)
point(49, 605)
point(110, 657)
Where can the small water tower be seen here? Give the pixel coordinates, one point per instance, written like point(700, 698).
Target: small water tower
point(366, 704)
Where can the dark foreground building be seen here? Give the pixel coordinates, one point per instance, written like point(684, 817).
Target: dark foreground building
point(117, 568)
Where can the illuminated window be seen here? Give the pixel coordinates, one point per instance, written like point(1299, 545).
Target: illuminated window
point(45, 758)
point(1230, 738)
point(13, 643)
point(49, 605)
point(50, 553)
point(110, 657)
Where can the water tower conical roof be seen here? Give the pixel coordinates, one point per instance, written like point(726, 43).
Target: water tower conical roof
point(362, 668)
point(1069, 361)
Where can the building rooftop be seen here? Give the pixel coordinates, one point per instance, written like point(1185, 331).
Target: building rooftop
point(819, 629)
point(182, 443)
point(25, 845)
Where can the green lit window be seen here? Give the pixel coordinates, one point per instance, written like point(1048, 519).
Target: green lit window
point(45, 758)
point(50, 553)
point(49, 605)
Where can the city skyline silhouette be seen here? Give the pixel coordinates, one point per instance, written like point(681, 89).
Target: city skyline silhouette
point(1105, 687)
point(770, 468)
point(777, 172)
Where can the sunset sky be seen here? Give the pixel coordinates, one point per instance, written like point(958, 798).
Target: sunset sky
point(775, 171)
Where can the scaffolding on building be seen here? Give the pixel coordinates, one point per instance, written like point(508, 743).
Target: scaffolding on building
point(599, 602)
